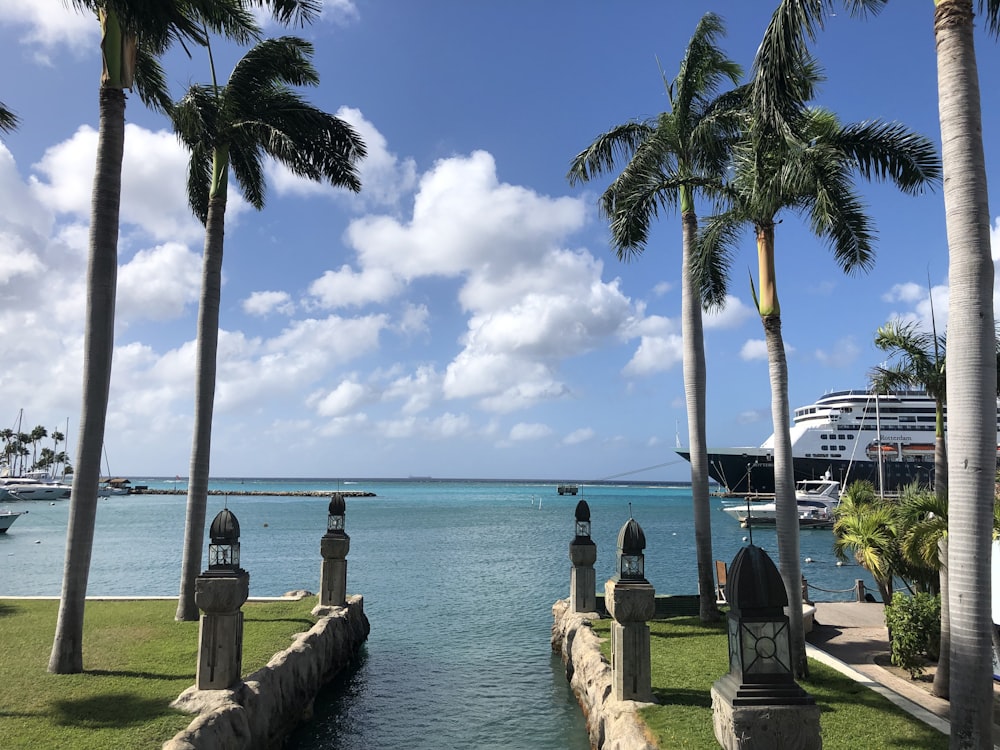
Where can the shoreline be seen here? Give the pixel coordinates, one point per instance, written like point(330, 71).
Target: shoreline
point(260, 493)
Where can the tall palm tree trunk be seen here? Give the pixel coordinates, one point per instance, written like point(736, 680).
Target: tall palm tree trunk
point(102, 273)
point(971, 357)
point(942, 677)
point(940, 455)
point(786, 510)
point(694, 391)
point(205, 375)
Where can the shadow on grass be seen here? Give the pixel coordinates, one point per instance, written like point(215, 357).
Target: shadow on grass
point(108, 710)
point(139, 675)
point(293, 620)
point(670, 697)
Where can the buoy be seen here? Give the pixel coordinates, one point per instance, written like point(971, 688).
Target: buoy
point(265, 525)
point(840, 563)
point(38, 541)
point(809, 559)
point(745, 538)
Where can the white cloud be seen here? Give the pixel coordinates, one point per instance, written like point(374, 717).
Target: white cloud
point(157, 284)
point(529, 431)
point(731, 315)
point(51, 24)
point(581, 435)
point(417, 391)
point(262, 304)
point(346, 288)
point(754, 349)
point(154, 175)
point(343, 399)
point(655, 354)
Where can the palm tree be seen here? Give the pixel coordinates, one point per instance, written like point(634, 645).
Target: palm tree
point(255, 114)
point(971, 400)
point(918, 362)
point(134, 34)
point(866, 528)
point(8, 120)
point(669, 160)
point(807, 165)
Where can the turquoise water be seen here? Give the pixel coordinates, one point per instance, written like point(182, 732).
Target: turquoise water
point(458, 577)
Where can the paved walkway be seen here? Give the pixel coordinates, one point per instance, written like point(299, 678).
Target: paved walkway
point(848, 636)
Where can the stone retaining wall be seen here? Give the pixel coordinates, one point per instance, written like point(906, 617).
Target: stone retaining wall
point(272, 701)
point(612, 724)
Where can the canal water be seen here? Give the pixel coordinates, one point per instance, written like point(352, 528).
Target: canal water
point(459, 578)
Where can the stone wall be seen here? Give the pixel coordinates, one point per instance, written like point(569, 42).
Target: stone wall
point(269, 703)
point(612, 724)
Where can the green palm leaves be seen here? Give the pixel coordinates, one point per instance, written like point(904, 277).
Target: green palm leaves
point(8, 120)
point(256, 114)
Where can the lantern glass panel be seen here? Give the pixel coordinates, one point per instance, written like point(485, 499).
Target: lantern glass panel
point(631, 566)
point(583, 528)
point(223, 555)
point(764, 647)
point(334, 523)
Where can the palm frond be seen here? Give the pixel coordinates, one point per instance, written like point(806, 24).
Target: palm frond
point(889, 150)
point(8, 120)
point(603, 154)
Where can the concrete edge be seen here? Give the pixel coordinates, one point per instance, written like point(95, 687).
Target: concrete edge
point(610, 723)
point(261, 710)
point(915, 710)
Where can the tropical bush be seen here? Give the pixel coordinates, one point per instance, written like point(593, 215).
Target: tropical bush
point(914, 624)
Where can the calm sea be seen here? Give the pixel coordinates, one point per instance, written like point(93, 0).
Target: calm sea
point(459, 578)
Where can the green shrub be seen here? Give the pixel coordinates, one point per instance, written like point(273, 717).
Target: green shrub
point(914, 624)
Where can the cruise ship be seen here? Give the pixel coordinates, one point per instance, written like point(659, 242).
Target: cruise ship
point(846, 436)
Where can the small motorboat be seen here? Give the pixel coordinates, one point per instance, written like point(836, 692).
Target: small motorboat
point(7, 518)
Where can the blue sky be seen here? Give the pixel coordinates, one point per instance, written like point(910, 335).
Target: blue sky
point(463, 316)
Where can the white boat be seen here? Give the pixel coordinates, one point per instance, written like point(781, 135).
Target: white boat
point(7, 517)
point(35, 485)
point(886, 439)
point(815, 499)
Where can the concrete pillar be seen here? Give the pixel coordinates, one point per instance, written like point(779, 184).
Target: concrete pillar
point(333, 571)
point(220, 631)
point(631, 605)
point(582, 582)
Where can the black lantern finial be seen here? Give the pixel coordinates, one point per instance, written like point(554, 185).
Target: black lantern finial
point(631, 561)
point(335, 514)
point(224, 548)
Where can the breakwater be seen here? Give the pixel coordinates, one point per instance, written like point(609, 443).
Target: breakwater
point(257, 493)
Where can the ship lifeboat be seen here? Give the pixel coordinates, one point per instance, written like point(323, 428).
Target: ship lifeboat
point(888, 450)
point(918, 449)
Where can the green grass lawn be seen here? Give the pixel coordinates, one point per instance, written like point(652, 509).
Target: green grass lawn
point(136, 660)
point(687, 657)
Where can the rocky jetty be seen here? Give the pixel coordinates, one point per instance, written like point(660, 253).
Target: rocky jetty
point(262, 710)
point(612, 724)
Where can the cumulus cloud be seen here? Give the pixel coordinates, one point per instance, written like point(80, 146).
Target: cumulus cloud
point(581, 435)
point(158, 283)
point(262, 304)
point(349, 288)
point(342, 400)
point(529, 431)
point(48, 25)
point(731, 315)
point(754, 349)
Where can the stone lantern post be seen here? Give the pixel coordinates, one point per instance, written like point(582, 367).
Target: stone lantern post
point(334, 547)
point(583, 555)
point(219, 593)
point(759, 697)
point(631, 601)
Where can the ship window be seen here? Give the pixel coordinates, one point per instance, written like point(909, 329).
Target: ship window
point(824, 447)
point(840, 437)
point(907, 418)
point(822, 437)
point(850, 437)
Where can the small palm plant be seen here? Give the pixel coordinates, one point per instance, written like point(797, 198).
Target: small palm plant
point(865, 528)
